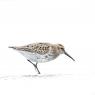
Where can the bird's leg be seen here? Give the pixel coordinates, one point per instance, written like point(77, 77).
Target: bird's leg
point(35, 65)
point(37, 68)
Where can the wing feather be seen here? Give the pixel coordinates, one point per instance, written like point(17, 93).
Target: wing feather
point(40, 48)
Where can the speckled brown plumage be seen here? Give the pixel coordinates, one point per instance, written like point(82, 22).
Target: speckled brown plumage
point(40, 48)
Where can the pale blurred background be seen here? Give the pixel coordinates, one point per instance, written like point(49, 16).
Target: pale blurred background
point(69, 22)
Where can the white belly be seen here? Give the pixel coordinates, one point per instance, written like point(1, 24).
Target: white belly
point(35, 57)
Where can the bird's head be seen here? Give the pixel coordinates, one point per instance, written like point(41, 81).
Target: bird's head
point(61, 50)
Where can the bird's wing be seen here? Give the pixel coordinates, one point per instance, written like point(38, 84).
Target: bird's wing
point(40, 48)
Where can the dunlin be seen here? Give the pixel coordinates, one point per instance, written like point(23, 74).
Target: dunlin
point(41, 52)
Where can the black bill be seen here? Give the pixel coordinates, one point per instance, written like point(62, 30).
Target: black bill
point(68, 55)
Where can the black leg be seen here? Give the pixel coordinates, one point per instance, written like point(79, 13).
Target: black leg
point(35, 65)
point(37, 68)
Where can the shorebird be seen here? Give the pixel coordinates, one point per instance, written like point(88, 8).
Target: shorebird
point(41, 52)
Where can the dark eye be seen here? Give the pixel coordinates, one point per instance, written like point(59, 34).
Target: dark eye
point(62, 48)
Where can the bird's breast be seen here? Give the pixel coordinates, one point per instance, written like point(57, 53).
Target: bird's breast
point(35, 57)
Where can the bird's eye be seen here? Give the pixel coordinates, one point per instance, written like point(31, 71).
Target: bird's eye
point(62, 48)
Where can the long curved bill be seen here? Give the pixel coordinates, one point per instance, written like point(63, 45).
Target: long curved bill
point(69, 55)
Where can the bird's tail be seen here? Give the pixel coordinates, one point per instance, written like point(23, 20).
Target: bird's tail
point(17, 47)
point(12, 47)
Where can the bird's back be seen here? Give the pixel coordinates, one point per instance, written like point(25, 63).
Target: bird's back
point(40, 48)
point(40, 52)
